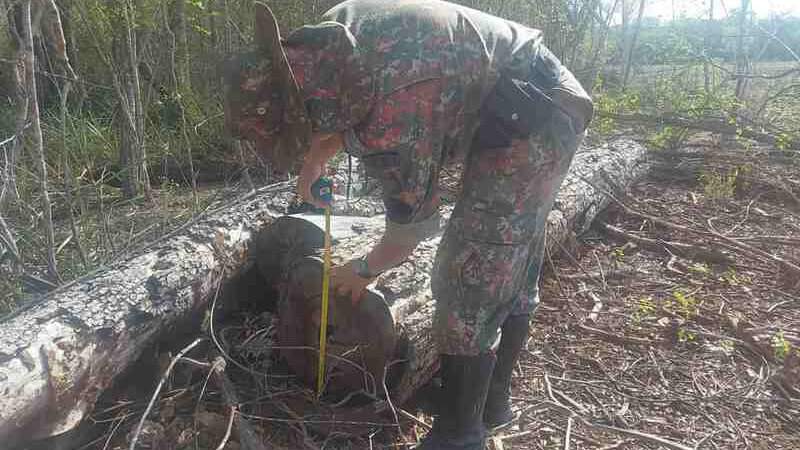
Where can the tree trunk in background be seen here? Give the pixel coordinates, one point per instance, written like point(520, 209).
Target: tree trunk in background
point(741, 56)
point(133, 158)
point(181, 88)
point(73, 49)
point(625, 35)
point(64, 90)
point(632, 44)
point(37, 144)
point(594, 66)
point(706, 47)
point(16, 29)
point(184, 61)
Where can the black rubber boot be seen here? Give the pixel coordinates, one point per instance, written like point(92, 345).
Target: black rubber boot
point(459, 425)
point(498, 405)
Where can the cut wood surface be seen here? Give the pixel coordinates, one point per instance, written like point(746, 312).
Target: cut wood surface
point(58, 355)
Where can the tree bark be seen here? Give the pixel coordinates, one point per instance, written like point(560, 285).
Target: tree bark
point(59, 355)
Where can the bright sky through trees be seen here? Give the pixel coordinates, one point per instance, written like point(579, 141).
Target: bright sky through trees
point(699, 8)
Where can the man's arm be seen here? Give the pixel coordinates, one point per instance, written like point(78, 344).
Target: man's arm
point(400, 144)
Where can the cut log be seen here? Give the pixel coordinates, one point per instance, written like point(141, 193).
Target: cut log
point(385, 344)
point(58, 355)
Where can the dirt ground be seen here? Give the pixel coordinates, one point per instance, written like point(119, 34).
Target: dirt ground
point(665, 341)
point(671, 324)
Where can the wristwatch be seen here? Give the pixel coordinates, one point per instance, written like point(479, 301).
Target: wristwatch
point(362, 268)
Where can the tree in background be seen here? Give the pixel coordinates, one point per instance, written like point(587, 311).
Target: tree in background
point(139, 129)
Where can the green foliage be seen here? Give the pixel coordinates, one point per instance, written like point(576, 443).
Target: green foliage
point(684, 39)
point(611, 102)
point(686, 307)
point(700, 268)
point(719, 186)
point(10, 290)
point(669, 138)
point(645, 307)
point(685, 335)
point(780, 346)
point(734, 278)
point(686, 304)
point(784, 141)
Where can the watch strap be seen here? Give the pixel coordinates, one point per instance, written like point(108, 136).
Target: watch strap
point(362, 268)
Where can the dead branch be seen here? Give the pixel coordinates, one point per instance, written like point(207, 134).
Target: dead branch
point(616, 339)
point(247, 436)
point(746, 248)
point(679, 248)
point(227, 435)
point(164, 378)
point(713, 125)
point(599, 427)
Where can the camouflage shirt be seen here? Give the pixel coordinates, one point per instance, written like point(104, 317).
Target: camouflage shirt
point(404, 80)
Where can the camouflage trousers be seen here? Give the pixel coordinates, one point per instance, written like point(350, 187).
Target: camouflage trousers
point(488, 263)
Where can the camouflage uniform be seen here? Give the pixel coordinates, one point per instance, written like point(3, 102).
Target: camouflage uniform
point(405, 82)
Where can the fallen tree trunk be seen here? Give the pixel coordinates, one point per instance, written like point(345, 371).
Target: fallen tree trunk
point(383, 346)
point(58, 356)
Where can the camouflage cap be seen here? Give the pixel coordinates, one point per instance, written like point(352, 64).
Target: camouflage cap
point(263, 103)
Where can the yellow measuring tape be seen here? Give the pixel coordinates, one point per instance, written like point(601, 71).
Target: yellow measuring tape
point(323, 325)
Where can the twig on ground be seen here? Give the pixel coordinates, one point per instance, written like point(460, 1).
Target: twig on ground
point(553, 266)
point(414, 419)
point(247, 436)
point(624, 431)
point(386, 393)
point(227, 436)
point(679, 248)
point(617, 444)
point(602, 273)
point(582, 409)
point(598, 305)
point(616, 339)
point(779, 304)
point(787, 265)
point(113, 431)
point(568, 433)
point(575, 261)
point(298, 420)
point(640, 436)
point(160, 386)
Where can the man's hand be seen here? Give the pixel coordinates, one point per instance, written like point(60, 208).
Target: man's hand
point(309, 174)
point(323, 148)
point(391, 251)
point(344, 280)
